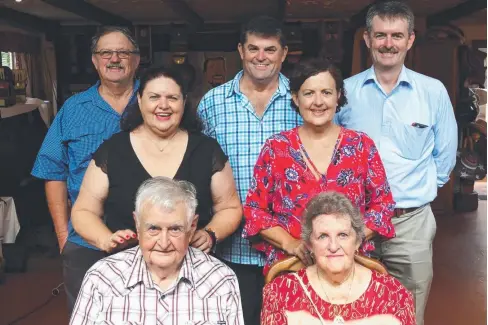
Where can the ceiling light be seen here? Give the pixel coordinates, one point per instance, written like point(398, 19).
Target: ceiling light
point(18, 0)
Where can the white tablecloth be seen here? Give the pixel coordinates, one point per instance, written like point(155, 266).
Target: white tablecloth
point(17, 109)
point(9, 224)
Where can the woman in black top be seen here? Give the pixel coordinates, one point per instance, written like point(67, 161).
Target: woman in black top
point(161, 137)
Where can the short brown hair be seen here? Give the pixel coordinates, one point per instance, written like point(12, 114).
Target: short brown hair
point(312, 67)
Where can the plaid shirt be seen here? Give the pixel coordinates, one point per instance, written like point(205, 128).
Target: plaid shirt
point(229, 117)
point(119, 290)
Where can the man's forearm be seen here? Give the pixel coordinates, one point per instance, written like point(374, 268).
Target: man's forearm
point(57, 201)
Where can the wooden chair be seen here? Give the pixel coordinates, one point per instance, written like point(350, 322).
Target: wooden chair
point(293, 264)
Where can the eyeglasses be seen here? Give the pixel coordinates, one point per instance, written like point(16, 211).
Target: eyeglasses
point(122, 54)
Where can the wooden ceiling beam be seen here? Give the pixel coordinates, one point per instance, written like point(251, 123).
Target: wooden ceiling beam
point(358, 20)
point(182, 9)
point(461, 10)
point(89, 12)
point(281, 12)
point(28, 22)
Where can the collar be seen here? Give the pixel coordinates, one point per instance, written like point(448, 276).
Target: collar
point(403, 78)
point(138, 272)
point(188, 274)
point(283, 85)
point(92, 94)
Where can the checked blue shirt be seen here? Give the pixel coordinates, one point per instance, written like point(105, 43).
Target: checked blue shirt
point(80, 126)
point(229, 117)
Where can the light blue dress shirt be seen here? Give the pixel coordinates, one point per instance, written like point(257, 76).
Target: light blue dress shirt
point(413, 127)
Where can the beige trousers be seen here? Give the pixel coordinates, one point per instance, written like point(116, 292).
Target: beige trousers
point(408, 256)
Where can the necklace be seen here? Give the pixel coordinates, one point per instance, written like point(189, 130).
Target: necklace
point(338, 319)
point(167, 144)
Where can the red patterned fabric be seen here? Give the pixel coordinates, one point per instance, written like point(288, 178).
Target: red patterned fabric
point(283, 184)
point(384, 295)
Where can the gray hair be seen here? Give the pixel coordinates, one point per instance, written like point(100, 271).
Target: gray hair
point(166, 193)
point(390, 10)
point(104, 30)
point(332, 203)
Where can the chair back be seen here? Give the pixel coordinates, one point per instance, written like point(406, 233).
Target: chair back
point(293, 264)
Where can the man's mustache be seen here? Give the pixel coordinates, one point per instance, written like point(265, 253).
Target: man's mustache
point(115, 65)
point(385, 49)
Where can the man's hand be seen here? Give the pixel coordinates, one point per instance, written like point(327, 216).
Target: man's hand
point(202, 240)
point(296, 247)
point(118, 240)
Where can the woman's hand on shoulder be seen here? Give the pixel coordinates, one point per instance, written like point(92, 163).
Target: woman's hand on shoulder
point(118, 240)
point(202, 241)
point(296, 247)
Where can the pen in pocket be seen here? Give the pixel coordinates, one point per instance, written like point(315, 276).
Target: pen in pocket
point(418, 125)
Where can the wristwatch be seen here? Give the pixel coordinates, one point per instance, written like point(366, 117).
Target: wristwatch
point(213, 236)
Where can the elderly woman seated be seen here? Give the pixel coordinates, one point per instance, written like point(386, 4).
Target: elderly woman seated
point(162, 280)
point(335, 290)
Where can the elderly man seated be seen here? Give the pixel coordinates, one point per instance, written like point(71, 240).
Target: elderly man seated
point(163, 280)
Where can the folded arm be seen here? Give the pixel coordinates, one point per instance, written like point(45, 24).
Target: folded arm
point(445, 139)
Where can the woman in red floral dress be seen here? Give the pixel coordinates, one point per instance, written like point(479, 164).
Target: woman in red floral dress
point(316, 157)
point(335, 290)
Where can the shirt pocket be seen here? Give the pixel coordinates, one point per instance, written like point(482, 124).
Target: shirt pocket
point(84, 141)
point(119, 312)
point(410, 140)
point(209, 311)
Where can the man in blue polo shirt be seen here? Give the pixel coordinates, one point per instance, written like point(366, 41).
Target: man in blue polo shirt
point(82, 124)
point(410, 118)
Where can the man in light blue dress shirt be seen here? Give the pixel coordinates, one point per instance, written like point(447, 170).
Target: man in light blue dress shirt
point(411, 120)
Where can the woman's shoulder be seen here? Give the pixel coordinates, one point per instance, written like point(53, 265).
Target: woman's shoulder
point(287, 281)
point(282, 138)
point(202, 139)
point(202, 144)
point(117, 140)
point(119, 137)
point(357, 136)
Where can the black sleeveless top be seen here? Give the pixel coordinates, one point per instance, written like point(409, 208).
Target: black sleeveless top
point(116, 157)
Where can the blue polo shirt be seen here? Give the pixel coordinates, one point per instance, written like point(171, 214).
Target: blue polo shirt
point(82, 124)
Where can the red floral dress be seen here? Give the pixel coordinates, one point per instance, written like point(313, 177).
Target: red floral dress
point(384, 295)
point(283, 183)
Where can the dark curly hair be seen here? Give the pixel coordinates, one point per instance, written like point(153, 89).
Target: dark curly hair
point(132, 117)
point(312, 67)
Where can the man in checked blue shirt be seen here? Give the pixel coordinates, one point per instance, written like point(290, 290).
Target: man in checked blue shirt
point(82, 124)
point(410, 118)
point(241, 114)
